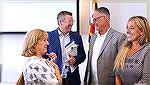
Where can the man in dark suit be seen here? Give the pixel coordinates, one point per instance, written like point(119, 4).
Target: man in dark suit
point(104, 46)
point(60, 38)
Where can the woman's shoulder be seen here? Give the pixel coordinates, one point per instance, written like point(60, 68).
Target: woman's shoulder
point(34, 61)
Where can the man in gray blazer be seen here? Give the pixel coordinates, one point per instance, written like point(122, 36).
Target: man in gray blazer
point(104, 46)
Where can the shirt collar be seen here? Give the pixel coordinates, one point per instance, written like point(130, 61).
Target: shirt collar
point(61, 34)
point(103, 34)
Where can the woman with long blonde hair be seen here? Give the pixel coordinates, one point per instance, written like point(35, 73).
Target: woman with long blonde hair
point(131, 64)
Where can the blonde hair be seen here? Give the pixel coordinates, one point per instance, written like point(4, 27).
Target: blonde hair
point(31, 39)
point(142, 23)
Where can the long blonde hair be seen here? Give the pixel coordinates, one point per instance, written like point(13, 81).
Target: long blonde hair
point(142, 23)
point(31, 39)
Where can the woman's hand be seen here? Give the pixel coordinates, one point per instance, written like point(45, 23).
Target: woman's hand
point(56, 71)
point(52, 55)
point(118, 80)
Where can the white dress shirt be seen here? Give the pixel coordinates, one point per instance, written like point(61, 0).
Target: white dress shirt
point(64, 40)
point(96, 49)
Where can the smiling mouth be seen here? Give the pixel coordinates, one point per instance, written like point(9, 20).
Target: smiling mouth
point(128, 35)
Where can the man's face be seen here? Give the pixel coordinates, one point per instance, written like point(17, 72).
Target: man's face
point(67, 24)
point(99, 20)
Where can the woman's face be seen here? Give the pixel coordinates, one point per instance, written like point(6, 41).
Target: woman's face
point(41, 46)
point(133, 32)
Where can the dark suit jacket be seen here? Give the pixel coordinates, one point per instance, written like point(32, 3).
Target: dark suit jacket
point(55, 46)
point(106, 58)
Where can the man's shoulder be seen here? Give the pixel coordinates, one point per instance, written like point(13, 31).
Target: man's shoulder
point(117, 33)
point(52, 32)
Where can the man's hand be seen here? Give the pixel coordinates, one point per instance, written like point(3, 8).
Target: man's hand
point(71, 60)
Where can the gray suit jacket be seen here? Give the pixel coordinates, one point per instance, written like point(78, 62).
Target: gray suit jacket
point(106, 58)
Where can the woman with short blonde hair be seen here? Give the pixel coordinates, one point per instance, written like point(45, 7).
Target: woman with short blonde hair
point(38, 70)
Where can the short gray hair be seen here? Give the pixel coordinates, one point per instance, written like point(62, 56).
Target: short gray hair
point(103, 10)
point(61, 16)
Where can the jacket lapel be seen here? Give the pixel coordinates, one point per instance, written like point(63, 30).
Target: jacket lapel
point(57, 42)
point(93, 41)
point(71, 36)
point(57, 46)
point(91, 47)
point(106, 41)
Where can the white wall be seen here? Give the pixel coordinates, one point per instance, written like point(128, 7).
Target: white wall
point(26, 15)
point(121, 12)
point(12, 60)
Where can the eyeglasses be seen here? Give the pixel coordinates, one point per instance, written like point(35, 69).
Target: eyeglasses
point(95, 20)
point(72, 21)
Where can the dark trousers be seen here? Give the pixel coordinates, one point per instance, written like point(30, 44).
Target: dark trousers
point(72, 78)
point(65, 81)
